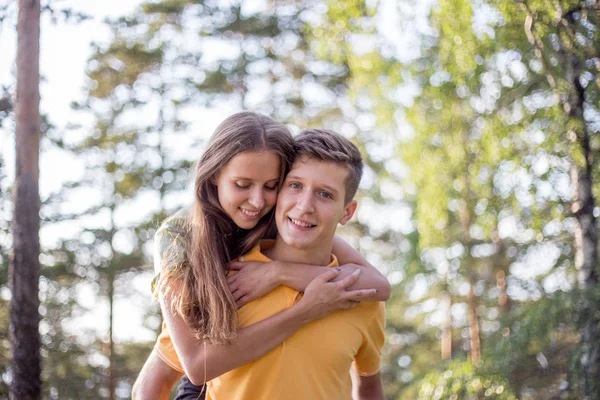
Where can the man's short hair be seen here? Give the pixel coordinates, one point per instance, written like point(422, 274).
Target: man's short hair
point(325, 145)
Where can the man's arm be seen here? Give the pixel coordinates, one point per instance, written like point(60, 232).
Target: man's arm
point(254, 279)
point(367, 387)
point(155, 380)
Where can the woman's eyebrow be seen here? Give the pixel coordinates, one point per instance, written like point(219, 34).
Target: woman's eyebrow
point(245, 178)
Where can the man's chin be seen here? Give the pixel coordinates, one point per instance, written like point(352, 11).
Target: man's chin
point(297, 243)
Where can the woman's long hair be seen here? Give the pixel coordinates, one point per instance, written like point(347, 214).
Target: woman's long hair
point(205, 301)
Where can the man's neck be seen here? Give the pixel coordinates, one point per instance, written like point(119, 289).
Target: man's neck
point(281, 251)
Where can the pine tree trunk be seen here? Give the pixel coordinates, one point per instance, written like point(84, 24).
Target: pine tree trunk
point(586, 235)
point(447, 326)
point(501, 266)
point(503, 300)
point(586, 260)
point(473, 323)
point(24, 266)
point(111, 344)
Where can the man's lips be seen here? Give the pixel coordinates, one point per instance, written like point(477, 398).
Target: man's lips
point(300, 223)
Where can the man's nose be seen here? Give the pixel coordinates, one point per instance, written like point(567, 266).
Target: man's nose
point(304, 202)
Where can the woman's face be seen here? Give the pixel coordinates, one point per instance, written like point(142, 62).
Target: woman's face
point(247, 186)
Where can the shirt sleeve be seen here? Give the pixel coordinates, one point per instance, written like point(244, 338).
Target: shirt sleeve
point(170, 245)
point(166, 351)
point(368, 359)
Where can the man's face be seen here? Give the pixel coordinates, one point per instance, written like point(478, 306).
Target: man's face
point(311, 204)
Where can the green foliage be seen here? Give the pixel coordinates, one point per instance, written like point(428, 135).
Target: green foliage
point(493, 136)
point(461, 380)
point(471, 141)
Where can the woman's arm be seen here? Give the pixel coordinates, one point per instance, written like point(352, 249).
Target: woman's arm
point(255, 279)
point(203, 361)
point(155, 380)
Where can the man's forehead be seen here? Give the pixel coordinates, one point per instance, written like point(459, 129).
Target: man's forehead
point(311, 168)
point(306, 161)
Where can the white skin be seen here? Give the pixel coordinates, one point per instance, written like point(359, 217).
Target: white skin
point(245, 188)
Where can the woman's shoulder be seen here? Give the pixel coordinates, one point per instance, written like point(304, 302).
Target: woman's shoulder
point(176, 224)
point(170, 241)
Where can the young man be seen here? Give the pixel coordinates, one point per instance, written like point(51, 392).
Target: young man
point(314, 362)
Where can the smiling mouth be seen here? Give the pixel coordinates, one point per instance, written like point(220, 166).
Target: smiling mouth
point(250, 214)
point(300, 224)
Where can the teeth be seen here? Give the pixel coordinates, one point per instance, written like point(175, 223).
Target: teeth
point(300, 223)
point(250, 213)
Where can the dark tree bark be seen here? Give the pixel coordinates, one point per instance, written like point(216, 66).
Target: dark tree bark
point(573, 98)
point(586, 242)
point(24, 266)
point(586, 231)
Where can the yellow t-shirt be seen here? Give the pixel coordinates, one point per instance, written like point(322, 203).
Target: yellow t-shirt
point(314, 363)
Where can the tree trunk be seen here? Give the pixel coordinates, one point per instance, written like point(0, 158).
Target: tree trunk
point(503, 300)
point(111, 344)
point(24, 266)
point(586, 235)
point(447, 326)
point(473, 323)
point(586, 260)
point(501, 266)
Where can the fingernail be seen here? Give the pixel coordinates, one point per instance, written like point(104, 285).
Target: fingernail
point(356, 272)
point(338, 269)
point(374, 290)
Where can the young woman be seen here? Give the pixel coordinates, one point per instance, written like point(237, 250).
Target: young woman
point(236, 185)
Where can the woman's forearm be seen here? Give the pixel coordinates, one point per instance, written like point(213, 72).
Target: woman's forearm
point(298, 276)
point(203, 361)
point(250, 343)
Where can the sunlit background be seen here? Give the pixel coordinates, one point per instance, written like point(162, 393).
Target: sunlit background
point(464, 112)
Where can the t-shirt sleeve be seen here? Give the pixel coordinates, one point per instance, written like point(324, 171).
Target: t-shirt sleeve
point(166, 351)
point(368, 359)
point(170, 245)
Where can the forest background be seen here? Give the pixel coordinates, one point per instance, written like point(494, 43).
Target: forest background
point(479, 122)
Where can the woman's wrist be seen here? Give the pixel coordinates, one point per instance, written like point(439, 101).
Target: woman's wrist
point(301, 313)
point(276, 274)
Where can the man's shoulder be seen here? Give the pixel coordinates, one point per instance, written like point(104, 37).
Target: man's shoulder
point(368, 311)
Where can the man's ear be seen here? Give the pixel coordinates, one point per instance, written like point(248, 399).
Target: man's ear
point(349, 210)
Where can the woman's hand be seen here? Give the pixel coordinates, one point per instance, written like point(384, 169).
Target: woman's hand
point(252, 280)
point(322, 296)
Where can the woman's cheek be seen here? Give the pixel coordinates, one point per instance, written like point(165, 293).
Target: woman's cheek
point(271, 199)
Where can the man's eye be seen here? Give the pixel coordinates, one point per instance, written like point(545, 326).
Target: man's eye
point(295, 185)
point(325, 195)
